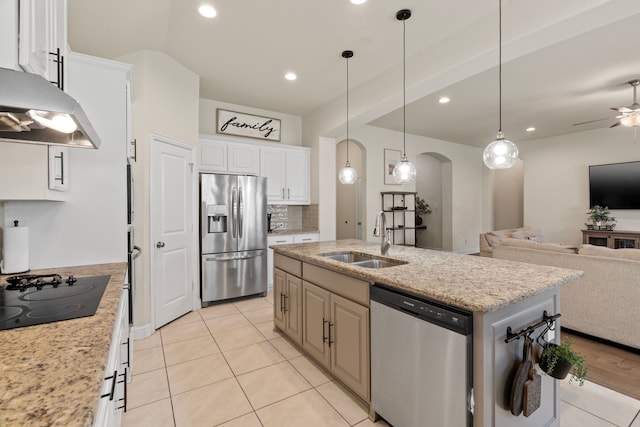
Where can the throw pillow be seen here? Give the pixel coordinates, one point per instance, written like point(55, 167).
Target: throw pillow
point(528, 233)
point(630, 254)
point(530, 244)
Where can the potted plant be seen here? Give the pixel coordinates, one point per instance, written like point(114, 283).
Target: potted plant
point(557, 360)
point(599, 214)
point(422, 208)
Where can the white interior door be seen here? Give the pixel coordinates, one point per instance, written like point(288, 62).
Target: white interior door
point(171, 229)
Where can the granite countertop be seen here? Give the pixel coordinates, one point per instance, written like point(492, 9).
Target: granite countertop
point(52, 374)
point(478, 284)
point(282, 232)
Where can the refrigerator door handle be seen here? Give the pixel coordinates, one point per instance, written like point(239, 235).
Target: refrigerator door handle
point(239, 210)
point(233, 257)
point(234, 223)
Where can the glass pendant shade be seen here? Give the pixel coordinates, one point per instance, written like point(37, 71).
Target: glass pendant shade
point(501, 153)
point(348, 175)
point(404, 171)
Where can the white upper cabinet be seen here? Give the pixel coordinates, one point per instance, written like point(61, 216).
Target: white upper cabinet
point(229, 157)
point(213, 156)
point(273, 165)
point(286, 167)
point(287, 172)
point(243, 159)
point(9, 35)
point(28, 171)
point(43, 38)
point(298, 179)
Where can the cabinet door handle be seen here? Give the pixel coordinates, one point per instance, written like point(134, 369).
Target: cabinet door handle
point(114, 379)
point(288, 193)
point(61, 178)
point(281, 302)
point(59, 60)
point(128, 343)
point(282, 193)
point(124, 398)
point(324, 337)
point(284, 306)
point(330, 342)
point(160, 245)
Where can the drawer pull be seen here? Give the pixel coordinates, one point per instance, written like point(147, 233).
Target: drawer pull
point(114, 379)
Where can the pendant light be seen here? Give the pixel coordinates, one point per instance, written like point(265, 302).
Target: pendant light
point(501, 153)
point(347, 175)
point(404, 171)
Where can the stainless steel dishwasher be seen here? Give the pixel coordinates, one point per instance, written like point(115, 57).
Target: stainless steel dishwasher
point(421, 361)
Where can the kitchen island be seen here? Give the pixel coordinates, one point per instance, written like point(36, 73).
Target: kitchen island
point(53, 373)
point(498, 294)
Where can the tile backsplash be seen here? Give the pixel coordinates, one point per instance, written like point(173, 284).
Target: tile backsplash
point(294, 217)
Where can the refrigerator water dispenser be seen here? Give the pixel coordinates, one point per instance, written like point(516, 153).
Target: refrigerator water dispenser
point(217, 218)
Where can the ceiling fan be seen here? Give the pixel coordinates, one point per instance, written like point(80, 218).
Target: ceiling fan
point(628, 116)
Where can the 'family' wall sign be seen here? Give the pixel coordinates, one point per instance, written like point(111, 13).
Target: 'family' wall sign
point(240, 124)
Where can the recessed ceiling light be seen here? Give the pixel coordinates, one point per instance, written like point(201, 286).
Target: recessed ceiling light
point(443, 100)
point(531, 129)
point(207, 11)
point(358, 1)
point(290, 76)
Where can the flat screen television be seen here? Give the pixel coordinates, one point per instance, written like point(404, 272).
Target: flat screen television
point(615, 185)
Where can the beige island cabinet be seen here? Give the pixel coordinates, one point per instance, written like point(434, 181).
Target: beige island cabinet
point(323, 306)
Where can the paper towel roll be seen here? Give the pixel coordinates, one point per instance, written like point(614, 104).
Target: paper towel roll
point(15, 250)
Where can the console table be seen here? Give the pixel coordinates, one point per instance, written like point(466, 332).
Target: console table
point(612, 239)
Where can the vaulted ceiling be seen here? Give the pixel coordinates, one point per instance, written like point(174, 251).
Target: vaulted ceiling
point(563, 62)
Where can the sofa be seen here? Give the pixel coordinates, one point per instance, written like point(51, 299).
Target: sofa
point(491, 238)
point(605, 302)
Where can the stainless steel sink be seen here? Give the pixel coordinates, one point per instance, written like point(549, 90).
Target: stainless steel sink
point(348, 257)
point(362, 260)
point(378, 263)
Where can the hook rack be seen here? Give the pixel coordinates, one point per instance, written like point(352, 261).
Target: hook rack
point(546, 320)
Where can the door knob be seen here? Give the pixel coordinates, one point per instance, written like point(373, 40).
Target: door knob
point(160, 245)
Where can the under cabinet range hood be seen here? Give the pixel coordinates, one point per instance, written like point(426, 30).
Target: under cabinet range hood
point(34, 110)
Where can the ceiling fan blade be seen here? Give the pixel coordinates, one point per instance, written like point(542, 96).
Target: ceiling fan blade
point(591, 121)
point(615, 124)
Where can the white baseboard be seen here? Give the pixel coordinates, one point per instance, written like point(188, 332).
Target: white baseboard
point(142, 332)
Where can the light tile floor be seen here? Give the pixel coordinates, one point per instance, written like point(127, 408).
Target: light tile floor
point(225, 366)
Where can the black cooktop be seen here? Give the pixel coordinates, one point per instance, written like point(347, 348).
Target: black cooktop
point(34, 299)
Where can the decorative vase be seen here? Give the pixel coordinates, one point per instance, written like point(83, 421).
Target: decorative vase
point(418, 220)
point(598, 223)
point(560, 370)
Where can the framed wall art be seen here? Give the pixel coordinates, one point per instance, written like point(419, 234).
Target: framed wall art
point(391, 159)
point(247, 125)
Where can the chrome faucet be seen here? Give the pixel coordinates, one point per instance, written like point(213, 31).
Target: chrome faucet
point(381, 231)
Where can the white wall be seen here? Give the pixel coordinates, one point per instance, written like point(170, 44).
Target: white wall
point(508, 197)
point(429, 184)
point(556, 180)
point(290, 130)
point(166, 100)
point(90, 227)
point(467, 189)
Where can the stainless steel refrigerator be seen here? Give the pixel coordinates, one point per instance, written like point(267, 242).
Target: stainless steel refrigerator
point(233, 230)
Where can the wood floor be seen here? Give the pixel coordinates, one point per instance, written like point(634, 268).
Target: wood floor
point(609, 366)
